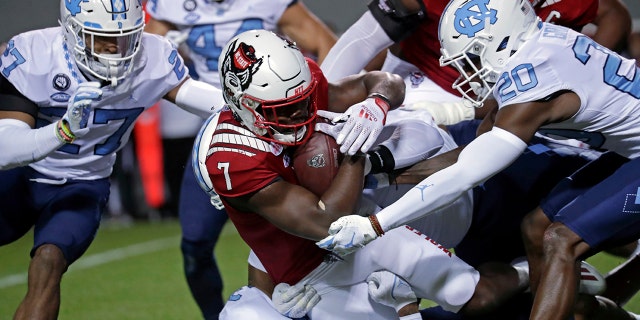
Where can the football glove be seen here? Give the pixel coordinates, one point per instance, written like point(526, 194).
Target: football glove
point(294, 301)
point(348, 234)
point(74, 122)
point(390, 290)
point(363, 124)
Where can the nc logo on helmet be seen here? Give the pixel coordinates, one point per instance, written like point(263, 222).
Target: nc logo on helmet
point(472, 16)
point(74, 6)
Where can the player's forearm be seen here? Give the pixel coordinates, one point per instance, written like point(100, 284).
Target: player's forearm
point(387, 85)
point(22, 145)
point(481, 159)
point(197, 97)
point(355, 48)
point(424, 169)
point(344, 193)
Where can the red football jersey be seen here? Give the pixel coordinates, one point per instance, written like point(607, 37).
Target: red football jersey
point(240, 163)
point(422, 47)
point(573, 14)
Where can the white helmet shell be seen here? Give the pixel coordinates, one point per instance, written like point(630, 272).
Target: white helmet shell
point(477, 37)
point(119, 22)
point(265, 78)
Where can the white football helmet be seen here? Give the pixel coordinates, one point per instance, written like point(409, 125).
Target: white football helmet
point(477, 37)
point(119, 21)
point(267, 83)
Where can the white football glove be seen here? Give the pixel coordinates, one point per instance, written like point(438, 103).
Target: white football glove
point(364, 122)
point(348, 234)
point(79, 107)
point(330, 128)
point(390, 290)
point(294, 301)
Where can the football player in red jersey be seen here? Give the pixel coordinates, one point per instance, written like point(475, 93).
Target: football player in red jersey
point(273, 94)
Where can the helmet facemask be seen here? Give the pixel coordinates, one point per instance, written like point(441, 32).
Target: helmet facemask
point(103, 43)
point(476, 81)
point(477, 37)
point(269, 87)
point(287, 121)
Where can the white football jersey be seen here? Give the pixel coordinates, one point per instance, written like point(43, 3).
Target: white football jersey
point(38, 64)
point(210, 25)
point(608, 85)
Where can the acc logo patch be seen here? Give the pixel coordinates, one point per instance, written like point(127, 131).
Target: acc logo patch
point(416, 78)
point(472, 16)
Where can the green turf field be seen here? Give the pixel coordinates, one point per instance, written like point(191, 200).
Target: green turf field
point(136, 273)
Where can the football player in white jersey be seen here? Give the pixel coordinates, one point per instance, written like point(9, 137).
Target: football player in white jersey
point(205, 26)
point(69, 97)
point(410, 28)
point(542, 76)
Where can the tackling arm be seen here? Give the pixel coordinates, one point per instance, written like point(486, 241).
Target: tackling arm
point(197, 97)
point(386, 22)
point(307, 31)
point(352, 88)
point(481, 159)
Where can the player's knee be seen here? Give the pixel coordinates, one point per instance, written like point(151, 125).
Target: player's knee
point(50, 257)
point(533, 226)
point(558, 240)
point(196, 255)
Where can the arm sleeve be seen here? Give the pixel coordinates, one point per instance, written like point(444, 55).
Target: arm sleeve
point(22, 145)
point(355, 48)
point(199, 98)
point(485, 156)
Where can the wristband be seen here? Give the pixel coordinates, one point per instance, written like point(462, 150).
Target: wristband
point(376, 225)
point(63, 132)
point(415, 316)
point(381, 100)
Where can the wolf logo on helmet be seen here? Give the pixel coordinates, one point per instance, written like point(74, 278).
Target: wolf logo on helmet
point(239, 65)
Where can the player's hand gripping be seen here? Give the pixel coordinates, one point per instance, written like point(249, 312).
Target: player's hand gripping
point(350, 233)
point(389, 289)
point(74, 122)
point(294, 301)
point(364, 122)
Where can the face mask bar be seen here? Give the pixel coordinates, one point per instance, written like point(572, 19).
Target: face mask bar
point(471, 83)
point(300, 110)
point(104, 65)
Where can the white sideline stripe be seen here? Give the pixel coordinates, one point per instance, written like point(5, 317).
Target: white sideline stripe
point(102, 258)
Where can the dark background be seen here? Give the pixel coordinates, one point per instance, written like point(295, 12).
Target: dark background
point(18, 16)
